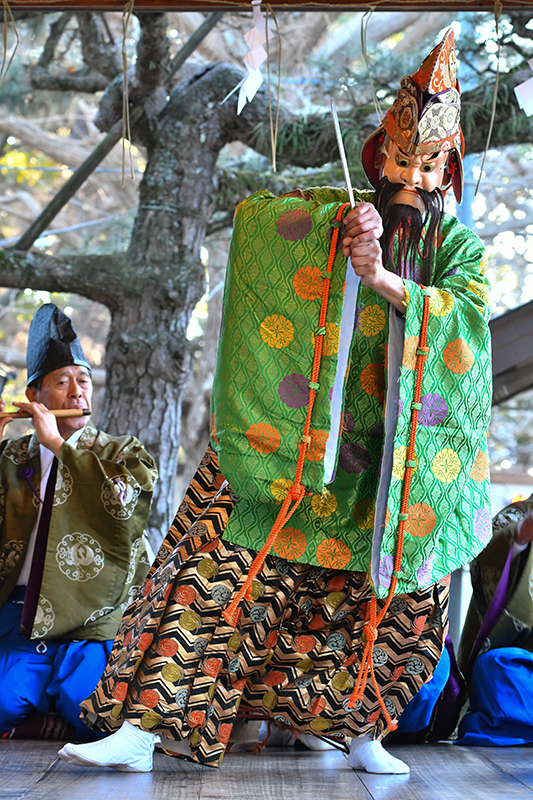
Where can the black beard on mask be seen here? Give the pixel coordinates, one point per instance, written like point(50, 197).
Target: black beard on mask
point(410, 223)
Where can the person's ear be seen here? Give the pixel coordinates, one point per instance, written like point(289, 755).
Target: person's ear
point(31, 394)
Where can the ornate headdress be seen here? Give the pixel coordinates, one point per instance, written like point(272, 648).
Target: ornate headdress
point(52, 343)
point(425, 117)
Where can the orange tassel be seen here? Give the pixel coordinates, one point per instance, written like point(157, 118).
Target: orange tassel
point(371, 627)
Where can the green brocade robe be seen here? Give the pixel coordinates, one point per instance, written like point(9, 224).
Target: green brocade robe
point(514, 625)
point(353, 524)
point(96, 557)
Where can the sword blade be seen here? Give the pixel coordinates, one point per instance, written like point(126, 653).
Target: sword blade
point(342, 153)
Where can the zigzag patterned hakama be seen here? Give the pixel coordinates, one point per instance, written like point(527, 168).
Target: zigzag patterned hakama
point(177, 667)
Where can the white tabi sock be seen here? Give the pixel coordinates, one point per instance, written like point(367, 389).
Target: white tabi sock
point(128, 750)
point(314, 743)
point(369, 754)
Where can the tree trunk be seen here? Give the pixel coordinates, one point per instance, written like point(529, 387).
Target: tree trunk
point(147, 366)
point(148, 356)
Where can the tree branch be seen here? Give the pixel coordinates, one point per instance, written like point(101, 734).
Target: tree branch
point(302, 141)
point(19, 14)
point(57, 29)
point(146, 81)
point(80, 81)
point(59, 148)
point(68, 82)
point(310, 141)
point(99, 278)
point(233, 185)
point(151, 68)
point(77, 179)
point(99, 54)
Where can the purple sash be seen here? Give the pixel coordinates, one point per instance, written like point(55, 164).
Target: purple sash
point(39, 555)
point(494, 610)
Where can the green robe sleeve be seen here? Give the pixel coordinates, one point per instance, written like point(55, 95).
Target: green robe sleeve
point(448, 519)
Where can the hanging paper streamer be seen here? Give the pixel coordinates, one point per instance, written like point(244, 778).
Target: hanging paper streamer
point(524, 94)
point(6, 63)
point(255, 39)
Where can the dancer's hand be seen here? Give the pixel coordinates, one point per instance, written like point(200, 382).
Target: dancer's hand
point(364, 227)
point(363, 224)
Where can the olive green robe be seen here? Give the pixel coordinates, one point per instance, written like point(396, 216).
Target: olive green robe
point(96, 557)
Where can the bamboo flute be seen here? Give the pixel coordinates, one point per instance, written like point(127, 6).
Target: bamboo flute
point(57, 412)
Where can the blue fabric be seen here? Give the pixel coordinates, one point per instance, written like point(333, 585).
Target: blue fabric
point(501, 700)
point(418, 713)
point(35, 681)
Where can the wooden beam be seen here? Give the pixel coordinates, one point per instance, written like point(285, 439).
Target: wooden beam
point(279, 5)
point(512, 352)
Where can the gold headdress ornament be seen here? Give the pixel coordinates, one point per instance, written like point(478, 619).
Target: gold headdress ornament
point(425, 117)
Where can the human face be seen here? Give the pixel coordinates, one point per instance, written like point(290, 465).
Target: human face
point(67, 387)
point(415, 172)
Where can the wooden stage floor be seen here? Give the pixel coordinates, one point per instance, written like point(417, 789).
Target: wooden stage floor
point(31, 770)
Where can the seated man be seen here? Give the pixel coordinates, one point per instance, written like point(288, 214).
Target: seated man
point(496, 649)
point(74, 503)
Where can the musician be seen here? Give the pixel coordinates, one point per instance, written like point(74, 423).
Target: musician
point(73, 505)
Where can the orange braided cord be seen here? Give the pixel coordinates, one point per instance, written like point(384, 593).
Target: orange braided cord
point(367, 665)
point(297, 490)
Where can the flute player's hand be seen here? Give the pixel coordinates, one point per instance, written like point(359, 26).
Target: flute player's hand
point(45, 425)
point(5, 420)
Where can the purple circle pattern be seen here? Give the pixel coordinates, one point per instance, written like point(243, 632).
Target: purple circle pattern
point(433, 411)
point(482, 525)
point(377, 430)
point(425, 572)
point(386, 565)
point(399, 403)
point(348, 421)
point(294, 390)
point(354, 458)
point(294, 224)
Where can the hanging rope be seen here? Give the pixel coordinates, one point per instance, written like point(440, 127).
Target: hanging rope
point(497, 14)
point(126, 130)
point(273, 126)
point(364, 25)
point(4, 69)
